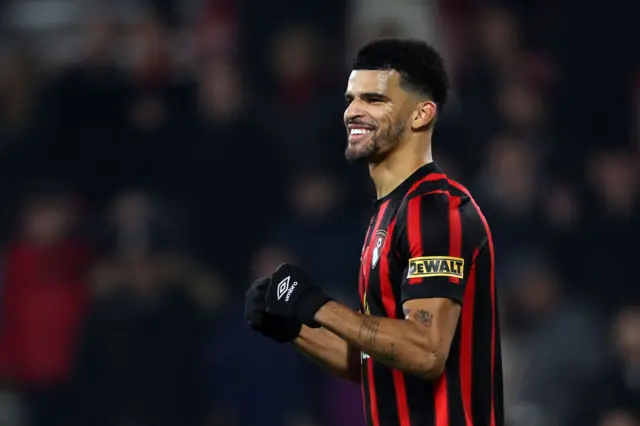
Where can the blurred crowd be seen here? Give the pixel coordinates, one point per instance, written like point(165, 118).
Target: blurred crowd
point(156, 157)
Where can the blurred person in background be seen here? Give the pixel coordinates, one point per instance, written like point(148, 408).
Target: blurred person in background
point(22, 134)
point(620, 417)
point(613, 395)
point(318, 224)
point(141, 358)
point(136, 221)
point(494, 46)
point(411, 297)
point(541, 320)
point(509, 185)
point(157, 106)
point(44, 299)
point(85, 120)
point(267, 366)
point(612, 189)
point(299, 96)
point(226, 132)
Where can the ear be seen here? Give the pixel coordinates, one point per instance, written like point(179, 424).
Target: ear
point(424, 115)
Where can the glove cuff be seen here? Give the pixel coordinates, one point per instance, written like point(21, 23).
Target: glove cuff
point(289, 334)
point(308, 304)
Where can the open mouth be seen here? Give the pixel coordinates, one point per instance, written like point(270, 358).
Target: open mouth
point(358, 132)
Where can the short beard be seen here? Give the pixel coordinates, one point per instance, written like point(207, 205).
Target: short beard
point(378, 147)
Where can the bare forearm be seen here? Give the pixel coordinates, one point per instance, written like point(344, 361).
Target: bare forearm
point(401, 344)
point(329, 351)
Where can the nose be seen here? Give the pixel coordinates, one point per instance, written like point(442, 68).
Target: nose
point(353, 110)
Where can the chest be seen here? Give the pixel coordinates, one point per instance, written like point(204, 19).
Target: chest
point(380, 272)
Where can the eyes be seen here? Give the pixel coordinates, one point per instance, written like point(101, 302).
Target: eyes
point(369, 98)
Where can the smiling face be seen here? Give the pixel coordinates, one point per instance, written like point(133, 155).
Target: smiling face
point(378, 114)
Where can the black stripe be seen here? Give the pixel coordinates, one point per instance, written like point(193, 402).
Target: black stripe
point(365, 384)
point(421, 399)
point(387, 406)
point(482, 324)
point(402, 224)
point(429, 186)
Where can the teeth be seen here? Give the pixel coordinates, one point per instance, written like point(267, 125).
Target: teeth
point(359, 131)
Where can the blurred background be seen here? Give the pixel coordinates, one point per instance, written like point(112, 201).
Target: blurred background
point(157, 156)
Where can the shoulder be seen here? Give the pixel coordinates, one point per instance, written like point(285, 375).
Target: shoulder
point(440, 205)
point(437, 195)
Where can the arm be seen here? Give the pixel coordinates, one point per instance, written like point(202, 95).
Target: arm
point(329, 351)
point(418, 345)
point(430, 238)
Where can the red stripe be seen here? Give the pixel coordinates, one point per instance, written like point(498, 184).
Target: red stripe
point(429, 178)
point(414, 227)
point(466, 341)
point(414, 231)
point(455, 232)
point(373, 399)
point(389, 303)
point(442, 401)
point(493, 320)
point(493, 299)
point(401, 398)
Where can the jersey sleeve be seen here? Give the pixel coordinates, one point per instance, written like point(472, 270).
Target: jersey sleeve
point(431, 244)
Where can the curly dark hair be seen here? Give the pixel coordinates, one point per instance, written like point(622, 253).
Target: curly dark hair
point(421, 67)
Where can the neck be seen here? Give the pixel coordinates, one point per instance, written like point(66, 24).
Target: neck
point(401, 163)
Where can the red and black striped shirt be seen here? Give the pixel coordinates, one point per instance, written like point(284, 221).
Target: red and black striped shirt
point(428, 238)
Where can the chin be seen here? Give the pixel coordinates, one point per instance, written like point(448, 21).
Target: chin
point(361, 156)
point(355, 159)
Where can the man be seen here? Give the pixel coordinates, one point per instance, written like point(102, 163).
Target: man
point(425, 345)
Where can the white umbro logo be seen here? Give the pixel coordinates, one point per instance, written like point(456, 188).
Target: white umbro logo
point(284, 288)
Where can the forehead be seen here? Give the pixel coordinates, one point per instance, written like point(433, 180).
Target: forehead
point(373, 81)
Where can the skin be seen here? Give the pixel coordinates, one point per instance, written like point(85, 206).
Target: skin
point(402, 122)
point(399, 143)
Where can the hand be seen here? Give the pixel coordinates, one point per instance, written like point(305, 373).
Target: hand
point(271, 326)
point(292, 295)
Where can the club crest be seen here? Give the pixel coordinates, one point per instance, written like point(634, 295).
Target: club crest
point(380, 237)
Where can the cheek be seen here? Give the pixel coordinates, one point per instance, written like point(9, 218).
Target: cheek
point(389, 121)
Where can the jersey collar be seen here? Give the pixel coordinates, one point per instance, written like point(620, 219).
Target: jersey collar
point(402, 189)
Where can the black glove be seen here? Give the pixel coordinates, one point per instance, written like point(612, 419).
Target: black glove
point(292, 295)
point(271, 326)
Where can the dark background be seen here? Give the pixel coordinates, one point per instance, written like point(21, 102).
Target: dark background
point(156, 157)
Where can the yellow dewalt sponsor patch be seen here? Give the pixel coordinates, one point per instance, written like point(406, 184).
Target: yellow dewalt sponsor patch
point(436, 266)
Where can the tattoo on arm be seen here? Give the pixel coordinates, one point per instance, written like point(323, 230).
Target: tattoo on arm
point(368, 333)
point(423, 317)
point(369, 330)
